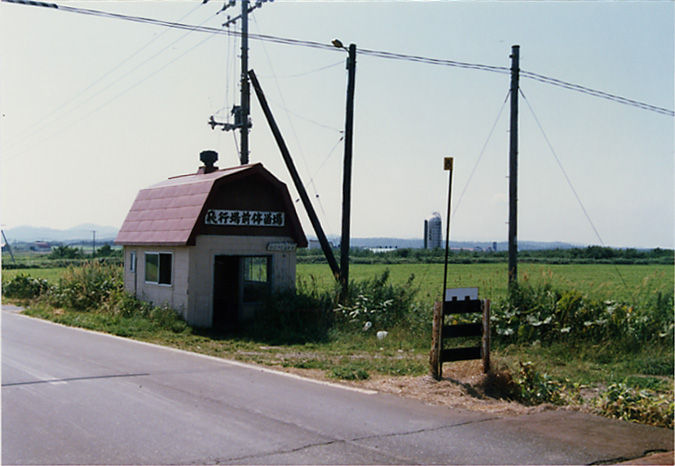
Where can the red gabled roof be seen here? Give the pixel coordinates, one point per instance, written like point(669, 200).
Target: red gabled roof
point(167, 213)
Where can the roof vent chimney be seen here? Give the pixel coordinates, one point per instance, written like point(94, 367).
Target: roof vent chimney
point(208, 158)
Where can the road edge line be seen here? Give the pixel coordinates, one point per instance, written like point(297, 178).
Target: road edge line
point(230, 362)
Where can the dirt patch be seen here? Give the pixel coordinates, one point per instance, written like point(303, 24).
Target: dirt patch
point(463, 386)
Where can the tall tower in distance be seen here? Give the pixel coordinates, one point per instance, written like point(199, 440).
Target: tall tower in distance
point(433, 232)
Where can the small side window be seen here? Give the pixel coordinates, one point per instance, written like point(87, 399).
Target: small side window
point(132, 262)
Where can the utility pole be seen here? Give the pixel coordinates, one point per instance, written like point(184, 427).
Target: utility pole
point(347, 168)
point(9, 248)
point(242, 111)
point(245, 92)
point(93, 244)
point(447, 166)
point(513, 167)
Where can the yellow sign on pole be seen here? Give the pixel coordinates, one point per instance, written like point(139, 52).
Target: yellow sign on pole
point(447, 163)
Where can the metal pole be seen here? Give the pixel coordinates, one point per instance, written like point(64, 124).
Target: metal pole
point(448, 165)
point(513, 168)
point(347, 172)
point(245, 91)
point(328, 252)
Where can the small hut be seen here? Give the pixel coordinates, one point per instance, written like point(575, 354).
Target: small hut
point(212, 244)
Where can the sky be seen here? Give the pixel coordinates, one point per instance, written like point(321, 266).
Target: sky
point(94, 109)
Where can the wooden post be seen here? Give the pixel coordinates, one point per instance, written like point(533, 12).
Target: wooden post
point(513, 168)
point(448, 166)
point(485, 340)
point(347, 173)
point(245, 91)
point(435, 363)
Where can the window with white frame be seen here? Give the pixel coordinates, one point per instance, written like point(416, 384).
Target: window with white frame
point(158, 267)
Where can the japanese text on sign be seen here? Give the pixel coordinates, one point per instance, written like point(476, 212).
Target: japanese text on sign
point(245, 218)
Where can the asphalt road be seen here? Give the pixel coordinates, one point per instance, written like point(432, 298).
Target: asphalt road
point(75, 397)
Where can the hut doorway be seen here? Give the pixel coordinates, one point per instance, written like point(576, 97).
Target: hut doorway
point(240, 285)
point(226, 292)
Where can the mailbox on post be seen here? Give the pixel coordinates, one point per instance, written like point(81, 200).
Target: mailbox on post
point(459, 301)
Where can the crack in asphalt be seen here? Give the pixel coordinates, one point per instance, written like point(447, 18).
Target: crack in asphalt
point(621, 459)
point(353, 441)
point(74, 379)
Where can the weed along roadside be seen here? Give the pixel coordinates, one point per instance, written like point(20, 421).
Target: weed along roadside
point(551, 346)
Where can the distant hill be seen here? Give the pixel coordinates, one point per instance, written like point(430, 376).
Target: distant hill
point(108, 233)
point(80, 232)
point(418, 243)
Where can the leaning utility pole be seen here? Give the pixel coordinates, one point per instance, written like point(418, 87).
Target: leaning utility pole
point(347, 171)
point(325, 246)
point(513, 167)
point(9, 248)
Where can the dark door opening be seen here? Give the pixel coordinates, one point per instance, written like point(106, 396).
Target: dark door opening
point(226, 286)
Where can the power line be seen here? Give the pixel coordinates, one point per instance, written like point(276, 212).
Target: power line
point(480, 156)
point(375, 53)
point(118, 95)
point(569, 181)
point(595, 93)
point(50, 116)
point(305, 73)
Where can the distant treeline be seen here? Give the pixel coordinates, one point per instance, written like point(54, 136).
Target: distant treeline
point(63, 256)
point(588, 255)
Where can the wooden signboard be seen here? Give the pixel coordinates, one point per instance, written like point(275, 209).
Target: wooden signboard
point(459, 301)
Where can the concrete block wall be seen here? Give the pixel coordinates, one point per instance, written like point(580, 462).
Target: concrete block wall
point(174, 295)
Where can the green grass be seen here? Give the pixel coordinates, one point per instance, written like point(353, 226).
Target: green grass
point(52, 275)
point(599, 281)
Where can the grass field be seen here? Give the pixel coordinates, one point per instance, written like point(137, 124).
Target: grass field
point(51, 274)
point(599, 281)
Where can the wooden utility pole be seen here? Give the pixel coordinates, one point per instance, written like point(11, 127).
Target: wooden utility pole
point(513, 167)
point(9, 248)
point(328, 252)
point(448, 166)
point(241, 112)
point(347, 171)
point(245, 91)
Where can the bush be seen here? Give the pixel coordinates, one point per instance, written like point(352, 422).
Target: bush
point(645, 406)
point(65, 252)
point(377, 301)
point(349, 372)
point(536, 388)
point(24, 287)
point(293, 317)
point(541, 313)
point(86, 288)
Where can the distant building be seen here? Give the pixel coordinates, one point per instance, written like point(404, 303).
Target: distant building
point(433, 232)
